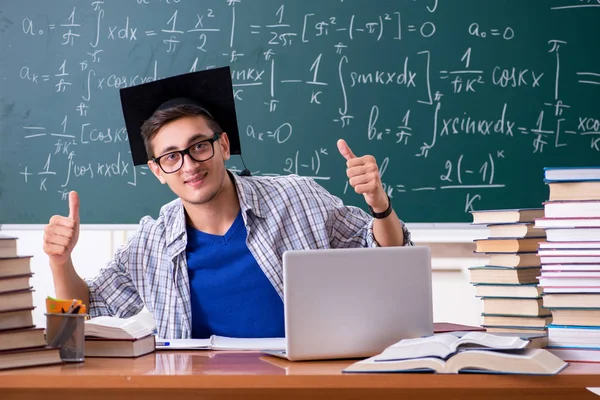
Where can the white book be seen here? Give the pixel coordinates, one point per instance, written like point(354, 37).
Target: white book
point(573, 235)
point(567, 223)
point(571, 173)
point(580, 290)
point(571, 281)
point(569, 252)
point(570, 267)
point(570, 274)
point(572, 209)
point(569, 245)
point(574, 354)
point(569, 259)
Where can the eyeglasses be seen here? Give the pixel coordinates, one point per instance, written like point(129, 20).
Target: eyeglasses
point(199, 152)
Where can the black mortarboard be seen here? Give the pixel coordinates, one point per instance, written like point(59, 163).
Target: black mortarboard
point(210, 89)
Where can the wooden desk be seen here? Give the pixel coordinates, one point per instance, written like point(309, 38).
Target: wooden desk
point(210, 375)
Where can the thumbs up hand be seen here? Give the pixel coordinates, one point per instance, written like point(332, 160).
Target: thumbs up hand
point(364, 177)
point(61, 233)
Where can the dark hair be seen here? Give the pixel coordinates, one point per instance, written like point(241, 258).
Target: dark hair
point(162, 117)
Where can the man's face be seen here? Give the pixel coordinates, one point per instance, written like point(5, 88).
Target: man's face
point(196, 182)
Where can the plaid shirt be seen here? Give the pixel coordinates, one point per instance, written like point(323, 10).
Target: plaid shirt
point(280, 213)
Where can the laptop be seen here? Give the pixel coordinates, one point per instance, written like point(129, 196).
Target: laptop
point(353, 303)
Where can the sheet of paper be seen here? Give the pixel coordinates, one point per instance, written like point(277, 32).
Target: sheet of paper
point(183, 344)
point(222, 343)
point(258, 344)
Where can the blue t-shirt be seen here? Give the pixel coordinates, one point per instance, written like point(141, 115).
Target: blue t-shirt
point(230, 294)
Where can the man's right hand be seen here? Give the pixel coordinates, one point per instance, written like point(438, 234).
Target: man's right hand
point(61, 234)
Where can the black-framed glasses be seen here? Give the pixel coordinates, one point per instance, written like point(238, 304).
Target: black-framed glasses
point(200, 151)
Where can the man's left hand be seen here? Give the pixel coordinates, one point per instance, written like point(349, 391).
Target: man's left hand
point(364, 177)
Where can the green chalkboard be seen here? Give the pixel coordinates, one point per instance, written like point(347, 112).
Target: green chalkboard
point(461, 102)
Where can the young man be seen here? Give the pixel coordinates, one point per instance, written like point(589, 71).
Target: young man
point(211, 263)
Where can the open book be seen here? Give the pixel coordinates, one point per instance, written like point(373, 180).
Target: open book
point(117, 337)
point(444, 345)
point(222, 343)
point(116, 328)
point(526, 361)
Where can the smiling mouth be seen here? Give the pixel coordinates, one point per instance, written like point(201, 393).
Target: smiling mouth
point(196, 179)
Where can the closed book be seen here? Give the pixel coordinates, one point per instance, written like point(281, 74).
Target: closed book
point(576, 354)
point(490, 274)
point(508, 245)
point(14, 283)
point(501, 216)
point(16, 300)
point(573, 336)
point(572, 235)
point(445, 327)
point(569, 252)
point(572, 209)
point(570, 267)
point(16, 319)
point(508, 290)
point(570, 290)
point(32, 357)
point(575, 316)
point(570, 245)
point(514, 260)
point(100, 347)
point(8, 246)
point(569, 259)
point(571, 300)
point(520, 321)
point(514, 306)
point(571, 173)
point(15, 266)
point(567, 223)
point(580, 281)
point(585, 190)
point(22, 338)
point(515, 231)
point(515, 330)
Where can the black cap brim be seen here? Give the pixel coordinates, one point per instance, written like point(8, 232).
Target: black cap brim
point(212, 89)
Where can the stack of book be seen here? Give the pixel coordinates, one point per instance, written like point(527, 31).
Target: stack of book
point(22, 344)
point(570, 260)
point(508, 283)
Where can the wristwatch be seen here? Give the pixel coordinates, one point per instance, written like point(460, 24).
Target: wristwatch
point(382, 214)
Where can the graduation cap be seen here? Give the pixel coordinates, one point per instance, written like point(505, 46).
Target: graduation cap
point(211, 90)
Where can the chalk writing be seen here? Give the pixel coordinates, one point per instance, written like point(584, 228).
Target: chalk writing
point(450, 102)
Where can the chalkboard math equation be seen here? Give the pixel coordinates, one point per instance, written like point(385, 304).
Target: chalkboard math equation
point(461, 106)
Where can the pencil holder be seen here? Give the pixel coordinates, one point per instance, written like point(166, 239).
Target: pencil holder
point(67, 332)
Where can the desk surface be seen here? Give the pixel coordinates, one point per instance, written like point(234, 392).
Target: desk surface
point(180, 374)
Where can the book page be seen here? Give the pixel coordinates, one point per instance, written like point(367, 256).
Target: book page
point(115, 328)
point(492, 341)
point(437, 346)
